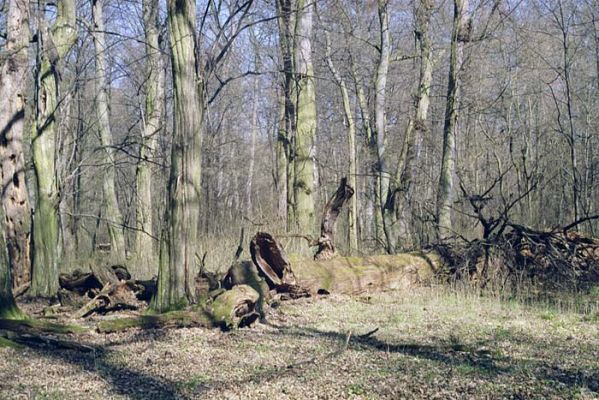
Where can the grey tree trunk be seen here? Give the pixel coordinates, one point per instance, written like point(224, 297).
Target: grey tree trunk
point(15, 199)
point(53, 45)
point(112, 213)
point(179, 244)
point(351, 144)
point(145, 248)
point(287, 124)
point(254, 134)
point(380, 93)
point(396, 209)
point(306, 120)
point(460, 35)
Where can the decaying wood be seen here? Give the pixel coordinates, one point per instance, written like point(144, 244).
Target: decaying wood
point(346, 275)
point(326, 241)
point(172, 319)
point(236, 307)
point(354, 275)
point(557, 257)
point(270, 258)
point(231, 309)
point(38, 327)
point(112, 296)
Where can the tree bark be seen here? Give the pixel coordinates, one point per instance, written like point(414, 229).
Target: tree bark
point(145, 247)
point(8, 308)
point(15, 199)
point(287, 124)
point(179, 244)
point(306, 120)
point(351, 143)
point(459, 36)
point(380, 94)
point(396, 208)
point(53, 45)
point(112, 213)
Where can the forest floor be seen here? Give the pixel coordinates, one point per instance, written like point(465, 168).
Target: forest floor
point(429, 343)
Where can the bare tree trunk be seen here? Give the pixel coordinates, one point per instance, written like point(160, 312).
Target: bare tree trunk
point(416, 129)
point(179, 244)
point(460, 35)
point(15, 199)
point(306, 120)
point(53, 45)
point(351, 142)
point(370, 184)
point(145, 250)
point(287, 129)
point(281, 146)
point(254, 133)
point(380, 93)
point(112, 214)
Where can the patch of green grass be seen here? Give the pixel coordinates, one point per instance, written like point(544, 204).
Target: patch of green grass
point(548, 316)
point(356, 389)
point(192, 383)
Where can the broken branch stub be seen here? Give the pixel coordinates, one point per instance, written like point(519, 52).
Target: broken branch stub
point(326, 241)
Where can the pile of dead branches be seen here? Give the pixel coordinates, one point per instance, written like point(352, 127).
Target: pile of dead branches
point(558, 258)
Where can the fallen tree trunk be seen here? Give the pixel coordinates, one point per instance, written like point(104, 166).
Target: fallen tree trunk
point(172, 319)
point(231, 309)
point(347, 275)
point(354, 275)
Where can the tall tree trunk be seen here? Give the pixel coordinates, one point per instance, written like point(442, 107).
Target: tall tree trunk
point(380, 93)
point(112, 213)
point(370, 215)
point(351, 143)
point(460, 35)
point(306, 120)
point(15, 199)
point(179, 244)
point(281, 159)
point(287, 129)
point(254, 133)
point(145, 249)
point(396, 208)
point(53, 45)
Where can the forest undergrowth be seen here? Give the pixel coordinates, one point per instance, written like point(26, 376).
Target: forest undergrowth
point(428, 342)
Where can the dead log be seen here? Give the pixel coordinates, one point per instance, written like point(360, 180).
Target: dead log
point(113, 296)
point(38, 327)
point(326, 241)
point(354, 275)
point(270, 258)
point(302, 276)
point(232, 309)
point(104, 274)
point(236, 307)
point(172, 319)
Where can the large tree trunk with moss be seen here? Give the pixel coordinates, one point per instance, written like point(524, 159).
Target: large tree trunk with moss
point(112, 212)
point(179, 245)
point(396, 207)
point(351, 144)
point(306, 120)
point(302, 276)
point(53, 45)
point(460, 35)
point(145, 249)
point(15, 199)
